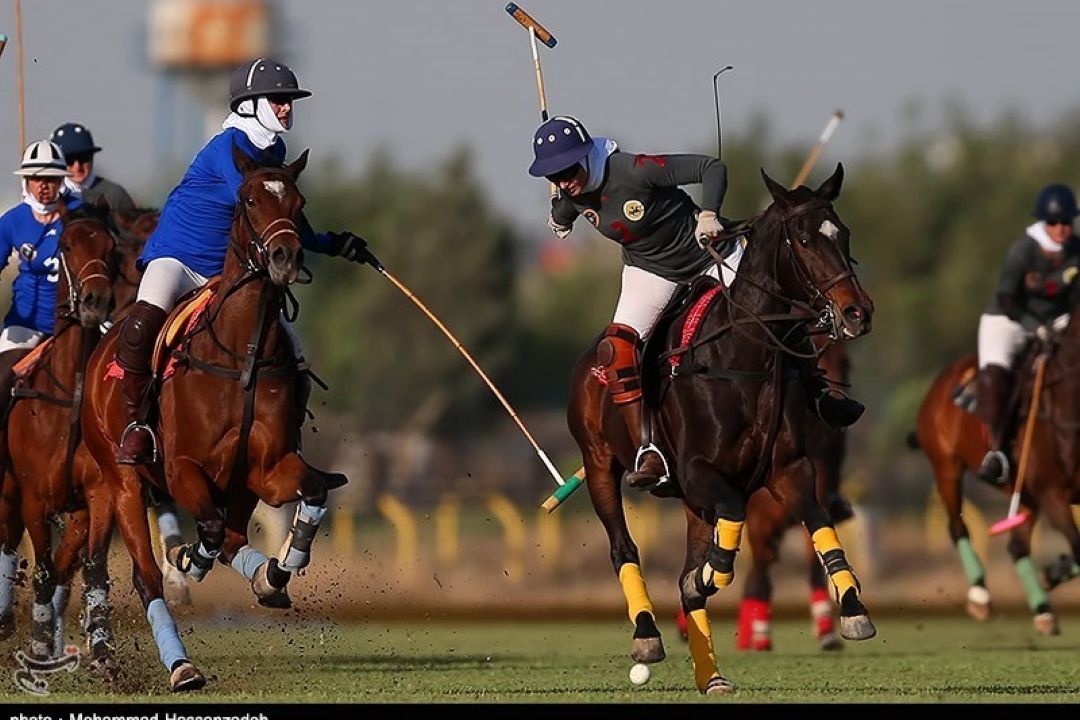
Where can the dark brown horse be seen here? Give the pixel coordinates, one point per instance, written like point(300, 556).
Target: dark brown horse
point(767, 522)
point(226, 420)
point(45, 461)
point(734, 421)
point(954, 441)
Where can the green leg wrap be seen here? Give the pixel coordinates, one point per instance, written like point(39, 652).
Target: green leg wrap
point(973, 567)
point(1029, 578)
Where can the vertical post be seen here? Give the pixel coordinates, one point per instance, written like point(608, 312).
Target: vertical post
point(19, 75)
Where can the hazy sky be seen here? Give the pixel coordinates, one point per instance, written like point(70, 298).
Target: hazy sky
point(422, 76)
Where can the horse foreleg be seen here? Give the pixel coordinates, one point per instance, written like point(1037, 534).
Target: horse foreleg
point(291, 477)
point(72, 544)
point(193, 491)
point(268, 581)
point(1055, 503)
point(1019, 547)
point(793, 487)
point(44, 579)
point(694, 594)
point(821, 608)
point(948, 476)
point(11, 532)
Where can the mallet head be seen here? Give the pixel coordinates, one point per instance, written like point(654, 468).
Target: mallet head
point(527, 22)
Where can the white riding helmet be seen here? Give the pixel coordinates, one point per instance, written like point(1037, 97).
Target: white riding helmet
point(43, 159)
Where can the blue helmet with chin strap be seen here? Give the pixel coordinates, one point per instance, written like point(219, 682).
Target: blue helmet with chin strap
point(558, 144)
point(1056, 203)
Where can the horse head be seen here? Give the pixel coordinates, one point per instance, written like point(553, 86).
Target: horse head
point(88, 264)
point(820, 271)
point(268, 207)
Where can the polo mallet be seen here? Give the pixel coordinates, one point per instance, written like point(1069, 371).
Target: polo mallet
point(565, 486)
point(1015, 516)
point(536, 30)
point(3, 42)
point(812, 158)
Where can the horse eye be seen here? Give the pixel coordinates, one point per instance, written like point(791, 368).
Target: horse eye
point(250, 200)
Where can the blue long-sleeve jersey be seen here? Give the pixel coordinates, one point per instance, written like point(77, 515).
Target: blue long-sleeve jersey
point(198, 214)
point(33, 302)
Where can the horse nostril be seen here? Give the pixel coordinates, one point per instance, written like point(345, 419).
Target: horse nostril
point(854, 314)
point(280, 255)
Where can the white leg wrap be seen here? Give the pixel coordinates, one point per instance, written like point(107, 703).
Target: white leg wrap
point(169, 525)
point(59, 602)
point(170, 648)
point(247, 561)
point(295, 552)
point(8, 565)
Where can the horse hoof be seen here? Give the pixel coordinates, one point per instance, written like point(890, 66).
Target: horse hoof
point(186, 677)
point(718, 685)
point(857, 627)
point(7, 626)
point(268, 595)
point(104, 666)
point(648, 650)
point(978, 602)
point(177, 591)
point(1046, 624)
point(830, 641)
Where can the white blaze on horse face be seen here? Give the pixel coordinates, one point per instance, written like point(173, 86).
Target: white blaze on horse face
point(829, 230)
point(277, 188)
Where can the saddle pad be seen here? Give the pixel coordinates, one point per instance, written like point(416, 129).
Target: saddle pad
point(181, 321)
point(693, 320)
point(24, 367)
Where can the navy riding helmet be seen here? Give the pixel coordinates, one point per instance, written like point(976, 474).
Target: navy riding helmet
point(1056, 203)
point(263, 77)
point(558, 144)
point(74, 139)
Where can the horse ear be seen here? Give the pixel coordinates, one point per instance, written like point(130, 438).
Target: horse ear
point(102, 207)
point(243, 163)
point(297, 166)
point(779, 192)
point(830, 189)
point(123, 219)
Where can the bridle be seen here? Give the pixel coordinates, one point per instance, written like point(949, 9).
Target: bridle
point(75, 282)
point(255, 257)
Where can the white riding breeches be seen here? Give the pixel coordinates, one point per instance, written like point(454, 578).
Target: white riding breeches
point(1000, 339)
point(644, 295)
point(15, 337)
point(166, 279)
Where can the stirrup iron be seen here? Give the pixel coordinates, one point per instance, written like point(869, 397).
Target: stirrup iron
point(651, 447)
point(136, 425)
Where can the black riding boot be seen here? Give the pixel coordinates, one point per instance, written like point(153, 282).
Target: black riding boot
point(993, 389)
point(835, 409)
point(134, 349)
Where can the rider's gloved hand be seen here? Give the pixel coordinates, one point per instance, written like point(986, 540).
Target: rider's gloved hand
point(708, 227)
point(354, 248)
point(561, 231)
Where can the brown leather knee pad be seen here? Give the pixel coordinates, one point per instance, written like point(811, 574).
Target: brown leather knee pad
point(136, 342)
point(617, 354)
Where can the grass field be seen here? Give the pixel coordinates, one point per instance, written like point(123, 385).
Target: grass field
point(911, 660)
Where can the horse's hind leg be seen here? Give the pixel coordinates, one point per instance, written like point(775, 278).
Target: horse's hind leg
point(11, 532)
point(177, 589)
point(1019, 547)
point(132, 520)
point(96, 625)
point(793, 486)
point(710, 555)
point(755, 610)
point(1055, 504)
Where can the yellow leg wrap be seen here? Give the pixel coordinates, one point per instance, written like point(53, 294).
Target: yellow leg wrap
point(633, 587)
point(699, 635)
point(826, 540)
point(728, 534)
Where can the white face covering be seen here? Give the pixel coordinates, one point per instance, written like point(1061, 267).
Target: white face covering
point(76, 189)
point(258, 121)
point(39, 208)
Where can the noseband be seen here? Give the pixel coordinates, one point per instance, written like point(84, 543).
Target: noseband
point(816, 291)
point(256, 256)
point(75, 282)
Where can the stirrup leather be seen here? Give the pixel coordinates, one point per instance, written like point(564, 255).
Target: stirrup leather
point(136, 425)
point(652, 448)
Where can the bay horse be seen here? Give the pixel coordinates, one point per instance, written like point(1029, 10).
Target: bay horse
point(954, 440)
point(43, 458)
point(225, 420)
point(736, 420)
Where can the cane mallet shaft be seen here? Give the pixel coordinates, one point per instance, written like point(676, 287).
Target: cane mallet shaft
point(1015, 517)
point(3, 42)
point(815, 152)
point(565, 486)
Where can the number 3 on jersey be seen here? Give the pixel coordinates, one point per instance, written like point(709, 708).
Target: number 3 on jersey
point(53, 265)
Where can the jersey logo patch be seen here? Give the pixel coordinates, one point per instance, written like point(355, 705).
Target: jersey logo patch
point(592, 216)
point(27, 252)
point(633, 210)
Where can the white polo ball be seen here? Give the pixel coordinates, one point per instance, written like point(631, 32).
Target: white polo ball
point(639, 674)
